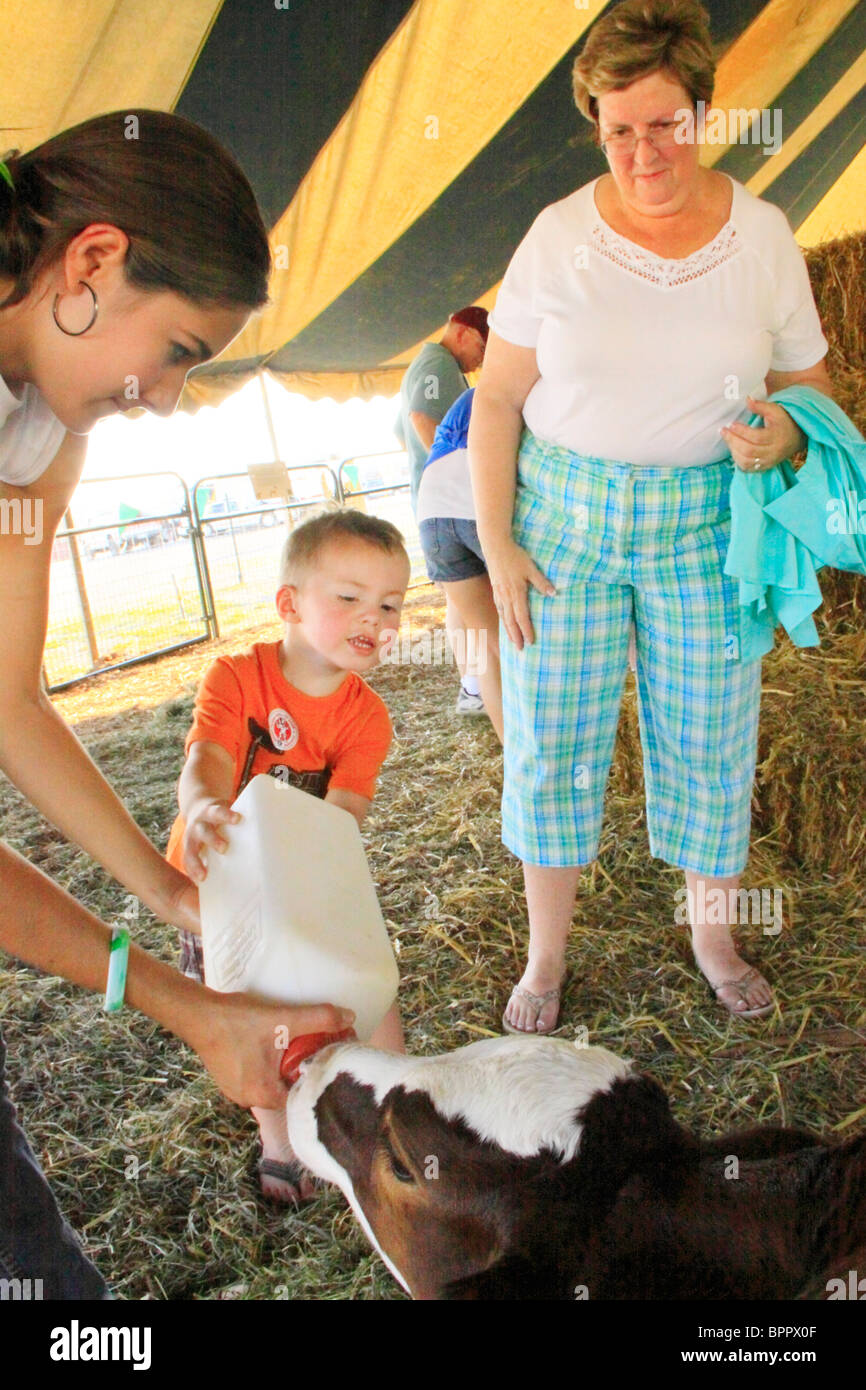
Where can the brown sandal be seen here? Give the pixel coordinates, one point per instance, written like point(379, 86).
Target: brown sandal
point(292, 1172)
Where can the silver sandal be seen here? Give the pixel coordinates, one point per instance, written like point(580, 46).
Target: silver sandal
point(536, 1002)
point(741, 985)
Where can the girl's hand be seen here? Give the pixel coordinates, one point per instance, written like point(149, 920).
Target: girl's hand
point(511, 572)
point(203, 833)
point(241, 1041)
point(757, 449)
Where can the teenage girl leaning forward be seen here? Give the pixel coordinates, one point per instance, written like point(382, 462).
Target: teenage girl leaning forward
point(119, 259)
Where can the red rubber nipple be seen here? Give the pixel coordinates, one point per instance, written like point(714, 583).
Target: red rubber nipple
point(299, 1049)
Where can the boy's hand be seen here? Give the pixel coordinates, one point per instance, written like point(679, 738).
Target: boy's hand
point(356, 805)
point(203, 834)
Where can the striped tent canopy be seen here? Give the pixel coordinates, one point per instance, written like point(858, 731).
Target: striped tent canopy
point(401, 148)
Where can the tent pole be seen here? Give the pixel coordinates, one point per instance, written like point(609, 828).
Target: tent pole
point(269, 418)
point(274, 445)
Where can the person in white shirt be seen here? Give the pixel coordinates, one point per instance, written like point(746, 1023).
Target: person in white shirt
point(640, 322)
point(432, 383)
point(124, 262)
point(445, 513)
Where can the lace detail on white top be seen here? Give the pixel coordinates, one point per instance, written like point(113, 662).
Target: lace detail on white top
point(658, 270)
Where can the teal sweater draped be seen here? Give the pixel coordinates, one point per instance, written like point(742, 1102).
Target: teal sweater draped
point(786, 525)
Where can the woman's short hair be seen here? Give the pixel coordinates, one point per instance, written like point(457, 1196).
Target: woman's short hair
point(640, 37)
point(190, 214)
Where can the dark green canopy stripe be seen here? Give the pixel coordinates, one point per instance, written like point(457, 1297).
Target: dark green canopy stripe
point(272, 84)
point(803, 184)
point(312, 69)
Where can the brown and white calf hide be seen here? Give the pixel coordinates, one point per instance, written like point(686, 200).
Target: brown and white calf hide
point(531, 1168)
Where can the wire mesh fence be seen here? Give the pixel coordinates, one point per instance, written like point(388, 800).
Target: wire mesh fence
point(123, 591)
point(159, 565)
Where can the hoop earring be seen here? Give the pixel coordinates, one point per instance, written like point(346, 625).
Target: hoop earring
point(79, 331)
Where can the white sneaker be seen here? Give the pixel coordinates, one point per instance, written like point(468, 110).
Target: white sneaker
point(469, 704)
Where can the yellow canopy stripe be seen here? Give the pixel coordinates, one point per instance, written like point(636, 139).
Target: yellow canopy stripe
point(446, 82)
point(842, 209)
point(62, 62)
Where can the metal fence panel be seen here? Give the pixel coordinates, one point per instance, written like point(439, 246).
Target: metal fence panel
point(380, 484)
point(135, 582)
point(242, 538)
point(122, 592)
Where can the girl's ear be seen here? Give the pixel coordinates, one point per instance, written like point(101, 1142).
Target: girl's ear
point(287, 603)
point(98, 251)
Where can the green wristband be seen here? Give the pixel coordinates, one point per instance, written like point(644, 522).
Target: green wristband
point(118, 957)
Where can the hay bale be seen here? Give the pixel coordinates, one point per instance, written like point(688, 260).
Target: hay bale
point(810, 787)
point(837, 270)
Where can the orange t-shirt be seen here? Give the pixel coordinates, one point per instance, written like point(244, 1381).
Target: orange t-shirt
point(345, 734)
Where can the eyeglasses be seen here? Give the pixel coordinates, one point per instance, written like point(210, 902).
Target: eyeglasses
point(662, 135)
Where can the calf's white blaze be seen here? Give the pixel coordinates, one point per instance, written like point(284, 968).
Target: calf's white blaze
point(303, 1129)
point(519, 1093)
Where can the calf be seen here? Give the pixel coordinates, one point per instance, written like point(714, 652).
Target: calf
point(530, 1168)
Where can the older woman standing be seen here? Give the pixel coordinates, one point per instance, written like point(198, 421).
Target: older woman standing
point(639, 320)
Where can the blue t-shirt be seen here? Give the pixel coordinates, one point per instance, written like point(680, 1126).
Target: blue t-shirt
point(453, 431)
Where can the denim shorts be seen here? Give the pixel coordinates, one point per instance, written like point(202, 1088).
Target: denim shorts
point(39, 1252)
point(451, 548)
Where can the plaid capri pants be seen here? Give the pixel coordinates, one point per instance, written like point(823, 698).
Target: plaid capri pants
point(627, 545)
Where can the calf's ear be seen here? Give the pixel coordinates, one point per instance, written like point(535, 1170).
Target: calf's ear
point(627, 1128)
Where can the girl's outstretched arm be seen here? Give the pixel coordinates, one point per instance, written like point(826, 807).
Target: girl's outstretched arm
point(38, 750)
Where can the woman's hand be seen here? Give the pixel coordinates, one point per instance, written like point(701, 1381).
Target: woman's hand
point(203, 833)
point(757, 449)
point(511, 572)
point(242, 1041)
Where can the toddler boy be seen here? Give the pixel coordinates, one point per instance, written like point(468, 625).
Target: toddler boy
point(298, 709)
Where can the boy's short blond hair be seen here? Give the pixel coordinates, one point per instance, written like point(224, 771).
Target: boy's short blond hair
point(308, 541)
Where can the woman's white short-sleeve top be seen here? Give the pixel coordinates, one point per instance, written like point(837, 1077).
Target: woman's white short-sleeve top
point(30, 435)
point(642, 358)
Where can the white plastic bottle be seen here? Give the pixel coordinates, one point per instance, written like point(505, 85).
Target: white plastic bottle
point(290, 912)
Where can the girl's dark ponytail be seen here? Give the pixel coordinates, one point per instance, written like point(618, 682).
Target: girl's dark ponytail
point(20, 238)
point(186, 206)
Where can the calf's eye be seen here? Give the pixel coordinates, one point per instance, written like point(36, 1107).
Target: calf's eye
point(398, 1168)
point(401, 1173)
